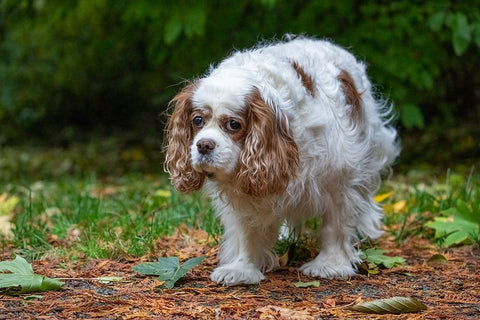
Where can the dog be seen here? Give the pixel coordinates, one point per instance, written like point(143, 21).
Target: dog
point(279, 133)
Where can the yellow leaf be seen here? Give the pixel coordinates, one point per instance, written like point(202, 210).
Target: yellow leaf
point(380, 197)
point(163, 193)
point(7, 204)
point(399, 206)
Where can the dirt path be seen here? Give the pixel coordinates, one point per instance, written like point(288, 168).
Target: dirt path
point(451, 290)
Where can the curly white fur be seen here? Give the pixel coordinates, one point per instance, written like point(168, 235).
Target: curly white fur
point(337, 136)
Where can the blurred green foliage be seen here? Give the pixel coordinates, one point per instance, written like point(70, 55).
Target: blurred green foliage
point(67, 67)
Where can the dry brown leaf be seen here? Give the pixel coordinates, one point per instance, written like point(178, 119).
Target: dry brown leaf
point(274, 312)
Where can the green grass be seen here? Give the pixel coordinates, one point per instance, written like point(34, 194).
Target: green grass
point(97, 202)
point(102, 220)
point(83, 212)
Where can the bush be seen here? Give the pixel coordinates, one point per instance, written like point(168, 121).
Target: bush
point(72, 66)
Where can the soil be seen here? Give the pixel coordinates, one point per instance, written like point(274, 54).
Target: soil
point(450, 290)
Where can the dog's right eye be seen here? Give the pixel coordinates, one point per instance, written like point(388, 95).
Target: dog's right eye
point(198, 122)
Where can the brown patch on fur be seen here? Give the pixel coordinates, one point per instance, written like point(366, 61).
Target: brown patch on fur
point(270, 155)
point(179, 136)
point(307, 80)
point(352, 96)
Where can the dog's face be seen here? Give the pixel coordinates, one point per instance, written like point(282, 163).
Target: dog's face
point(226, 131)
point(219, 124)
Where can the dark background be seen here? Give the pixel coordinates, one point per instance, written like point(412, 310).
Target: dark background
point(73, 71)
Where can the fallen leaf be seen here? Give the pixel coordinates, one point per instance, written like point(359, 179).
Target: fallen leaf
point(163, 193)
point(399, 206)
point(311, 284)
point(376, 256)
point(274, 312)
point(437, 259)
point(330, 303)
point(108, 280)
point(7, 205)
point(395, 305)
point(21, 278)
point(33, 296)
point(168, 269)
point(368, 268)
point(381, 197)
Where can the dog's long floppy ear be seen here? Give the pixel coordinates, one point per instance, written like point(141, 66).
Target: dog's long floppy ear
point(179, 137)
point(270, 154)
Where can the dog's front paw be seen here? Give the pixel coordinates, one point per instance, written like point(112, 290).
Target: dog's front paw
point(328, 269)
point(235, 274)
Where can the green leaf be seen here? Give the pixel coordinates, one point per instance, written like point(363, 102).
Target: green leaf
point(411, 116)
point(194, 23)
point(376, 256)
point(461, 36)
point(182, 271)
point(21, 278)
point(457, 237)
point(466, 230)
point(19, 265)
point(192, 263)
point(442, 226)
point(168, 269)
point(465, 212)
point(173, 29)
point(437, 259)
point(461, 224)
point(311, 284)
point(455, 229)
point(437, 21)
point(158, 268)
point(395, 305)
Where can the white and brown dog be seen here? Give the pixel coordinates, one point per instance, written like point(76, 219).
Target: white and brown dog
point(284, 132)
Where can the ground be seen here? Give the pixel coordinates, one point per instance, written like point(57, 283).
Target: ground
point(450, 290)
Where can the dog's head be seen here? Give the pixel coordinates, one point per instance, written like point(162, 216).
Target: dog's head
point(225, 128)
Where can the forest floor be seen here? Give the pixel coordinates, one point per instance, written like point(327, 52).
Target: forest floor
point(450, 290)
point(54, 188)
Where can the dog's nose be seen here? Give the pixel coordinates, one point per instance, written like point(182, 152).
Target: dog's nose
point(205, 146)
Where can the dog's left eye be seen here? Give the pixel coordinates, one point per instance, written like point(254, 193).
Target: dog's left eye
point(233, 125)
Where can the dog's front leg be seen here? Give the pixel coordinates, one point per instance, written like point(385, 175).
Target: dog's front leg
point(246, 250)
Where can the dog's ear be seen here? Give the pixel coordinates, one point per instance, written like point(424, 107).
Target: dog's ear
point(270, 155)
point(179, 137)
